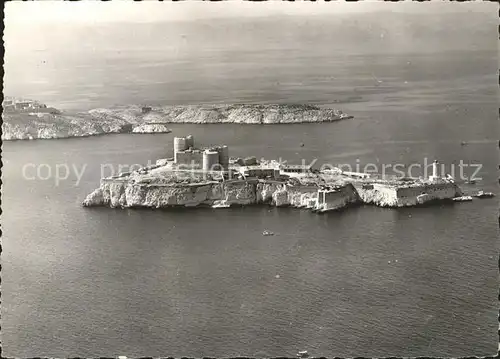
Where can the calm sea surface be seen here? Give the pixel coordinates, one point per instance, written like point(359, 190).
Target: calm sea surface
point(363, 282)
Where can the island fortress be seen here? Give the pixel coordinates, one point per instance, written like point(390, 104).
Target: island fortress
point(209, 177)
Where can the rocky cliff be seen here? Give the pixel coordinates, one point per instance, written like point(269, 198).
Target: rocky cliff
point(137, 119)
point(139, 191)
point(124, 193)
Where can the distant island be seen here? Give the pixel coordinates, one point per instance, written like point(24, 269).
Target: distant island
point(29, 119)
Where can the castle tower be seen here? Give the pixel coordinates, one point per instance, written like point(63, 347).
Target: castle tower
point(189, 141)
point(224, 157)
point(179, 146)
point(210, 159)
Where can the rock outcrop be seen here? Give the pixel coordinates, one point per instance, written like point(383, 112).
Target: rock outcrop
point(135, 190)
point(151, 128)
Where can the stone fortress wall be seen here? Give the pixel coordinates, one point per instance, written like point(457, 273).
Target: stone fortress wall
point(406, 196)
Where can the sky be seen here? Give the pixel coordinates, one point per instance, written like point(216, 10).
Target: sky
point(22, 13)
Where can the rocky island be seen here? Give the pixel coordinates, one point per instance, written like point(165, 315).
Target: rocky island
point(28, 119)
point(209, 177)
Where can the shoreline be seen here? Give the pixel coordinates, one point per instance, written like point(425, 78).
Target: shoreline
point(339, 194)
point(447, 202)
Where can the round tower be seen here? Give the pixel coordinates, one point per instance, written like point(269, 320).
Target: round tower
point(179, 145)
point(189, 141)
point(224, 157)
point(210, 159)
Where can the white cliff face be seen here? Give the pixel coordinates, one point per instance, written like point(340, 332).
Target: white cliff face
point(265, 191)
point(379, 196)
point(116, 193)
point(124, 193)
point(240, 193)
